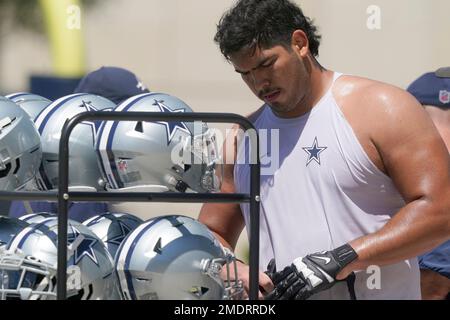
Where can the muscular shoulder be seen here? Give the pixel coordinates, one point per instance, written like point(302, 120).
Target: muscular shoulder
point(378, 107)
point(370, 96)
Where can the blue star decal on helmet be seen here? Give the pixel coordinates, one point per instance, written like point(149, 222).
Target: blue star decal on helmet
point(124, 230)
point(95, 125)
point(85, 247)
point(314, 152)
point(172, 126)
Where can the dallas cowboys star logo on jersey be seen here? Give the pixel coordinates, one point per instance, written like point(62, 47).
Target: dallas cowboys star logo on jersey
point(172, 126)
point(123, 232)
point(85, 248)
point(314, 152)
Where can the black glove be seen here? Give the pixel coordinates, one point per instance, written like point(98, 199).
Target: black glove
point(311, 274)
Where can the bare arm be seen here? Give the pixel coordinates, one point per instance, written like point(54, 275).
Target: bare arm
point(225, 220)
point(415, 157)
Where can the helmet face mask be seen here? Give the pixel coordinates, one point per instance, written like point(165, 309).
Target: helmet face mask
point(24, 277)
point(201, 156)
point(157, 156)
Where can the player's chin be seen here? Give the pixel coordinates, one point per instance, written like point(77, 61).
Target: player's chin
point(279, 108)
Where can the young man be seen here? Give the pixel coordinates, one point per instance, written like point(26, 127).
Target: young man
point(362, 175)
point(432, 90)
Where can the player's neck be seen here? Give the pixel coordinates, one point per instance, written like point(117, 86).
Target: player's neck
point(321, 81)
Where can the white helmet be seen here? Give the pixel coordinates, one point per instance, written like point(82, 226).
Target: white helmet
point(112, 228)
point(175, 258)
point(28, 264)
point(32, 103)
point(157, 156)
point(20, 147)
point(84, 173)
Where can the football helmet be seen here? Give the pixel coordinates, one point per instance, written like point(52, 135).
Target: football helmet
point(32, 103)
point(175, 258)
point(158, 156)
point(84, 173)
point(28, 264)
point(112, 228)
point(20, 147)
point(9, 227)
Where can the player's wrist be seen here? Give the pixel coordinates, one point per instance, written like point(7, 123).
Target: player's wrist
point(344, 255)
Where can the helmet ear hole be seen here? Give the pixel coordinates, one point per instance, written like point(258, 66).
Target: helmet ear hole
point(17, 166)
point(139, 127)
point(6, 170)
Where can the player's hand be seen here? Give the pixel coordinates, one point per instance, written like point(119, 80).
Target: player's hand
point(311, 274)
point(265, 284)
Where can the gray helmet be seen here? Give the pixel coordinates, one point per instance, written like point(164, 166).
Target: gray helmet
point(173, 258)
point(157, 156)
point(9, 227)
point(28, 264)
point(20, 147)
point(83, 173)
point(37, 217)
point(32, 103)
point(112, 228)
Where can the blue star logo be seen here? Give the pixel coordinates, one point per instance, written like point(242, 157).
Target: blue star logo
point(172, 126)
point(314, 152)
point(94, 125)
point(85, 248)
point(124, 231)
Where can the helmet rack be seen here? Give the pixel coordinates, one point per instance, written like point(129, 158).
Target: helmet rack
point(63, 196)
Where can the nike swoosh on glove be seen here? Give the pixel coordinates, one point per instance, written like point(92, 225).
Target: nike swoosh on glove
point(311, 274)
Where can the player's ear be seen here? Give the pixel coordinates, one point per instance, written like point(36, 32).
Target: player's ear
point(300, 43)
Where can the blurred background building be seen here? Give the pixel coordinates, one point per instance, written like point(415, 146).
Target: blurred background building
point(169, 45)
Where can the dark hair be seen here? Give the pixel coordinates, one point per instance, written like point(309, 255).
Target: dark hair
point(265, 23)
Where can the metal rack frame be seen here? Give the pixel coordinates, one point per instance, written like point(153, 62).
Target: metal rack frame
point(63, 196)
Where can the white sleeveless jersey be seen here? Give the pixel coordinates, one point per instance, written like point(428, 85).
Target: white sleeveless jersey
point(319, 191)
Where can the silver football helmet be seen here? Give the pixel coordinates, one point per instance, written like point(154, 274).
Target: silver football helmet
point(174, 258)
point(9, 227)
point(112, 228)
point(158, 156)
point(20, 147)
point(32, 103)
point(84, 173)
point(28, 264)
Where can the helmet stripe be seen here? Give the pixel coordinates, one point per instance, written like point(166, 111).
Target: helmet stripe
point(16, 95)
point(128, 249)
point(107, 156)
